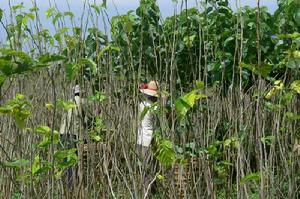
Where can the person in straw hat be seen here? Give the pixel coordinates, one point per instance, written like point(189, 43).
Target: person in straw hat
point(145, 132)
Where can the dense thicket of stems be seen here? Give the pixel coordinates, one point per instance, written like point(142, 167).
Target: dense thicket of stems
point(243, 148)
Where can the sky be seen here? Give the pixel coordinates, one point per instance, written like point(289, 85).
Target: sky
point(115, 7)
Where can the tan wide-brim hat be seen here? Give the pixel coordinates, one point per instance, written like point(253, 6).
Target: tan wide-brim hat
point(150, 89)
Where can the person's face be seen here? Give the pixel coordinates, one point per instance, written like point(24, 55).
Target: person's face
point(152, 98)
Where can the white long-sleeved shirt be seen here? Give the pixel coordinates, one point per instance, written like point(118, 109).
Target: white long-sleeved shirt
point(145, 129)
point(72, 121)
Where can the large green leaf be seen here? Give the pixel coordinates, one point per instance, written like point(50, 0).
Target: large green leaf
point(181, 107)
point(296, 54)
point(263, 70)
point(18, 109)
point(57, 17)
point(20, 118)
point(66, 158)
point(44, 130)
point(293, 63)
point(47, 140)
point(50, 12)
point(18, 7)
point(7, 67)
point(192, 97)
point(295, 86)
point(46, 58)
point(40, 166)
point(66, 105)
point(165, 152)
point(187, 102)
point(90, 63)
point(19, 54)
point(106, 49)
point(17, 164)
point(47, 136)
point(72, 70)
point(278, 86)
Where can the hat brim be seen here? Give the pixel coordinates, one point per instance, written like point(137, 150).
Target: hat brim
point(149, 92)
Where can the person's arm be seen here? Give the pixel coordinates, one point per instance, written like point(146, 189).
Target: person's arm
point(66, 122)
point(63, 124)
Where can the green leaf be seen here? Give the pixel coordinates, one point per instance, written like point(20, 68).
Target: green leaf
point(263, 70)
point(107, 48)
point(40, 166)
point(72, 70)
point(296, 54)
point(20, 118)
point(189, 40)
point(44, 130)
point(95, 137)
point(17, 108)
point(192, 97)
point(47, 139)
point(200, 84)
point(268, 139)
point(96, 8)
point(229, 39)
point(17, 164)
point(47, 58)
point(6, 109)
point(2, 79)
point(292, 116)
point(66, 105)
point(57, 17)
point(287, 98)
point(50, 12)
point(146, 109)
point(66, 158)
point(70, 14)
point(1, 14)
point(185, 103)
point(278, 86)
point(227, 142)
point(293, 63)
point(36, 165)
point(104, 3)
point(165, 153)
point(6, 67)
point(90, 63)
point(19, 54)
point(98, 97)
point(34, 9)
point(295, 86)
point(18, 7)
point(181, 107)
point(160, 177)
point(251, 177)
point(30, 16)
point(49, 106)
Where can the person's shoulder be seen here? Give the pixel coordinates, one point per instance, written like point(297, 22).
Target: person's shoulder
point(79, 100)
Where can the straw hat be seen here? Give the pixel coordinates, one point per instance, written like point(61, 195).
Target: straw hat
point(150, 88)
